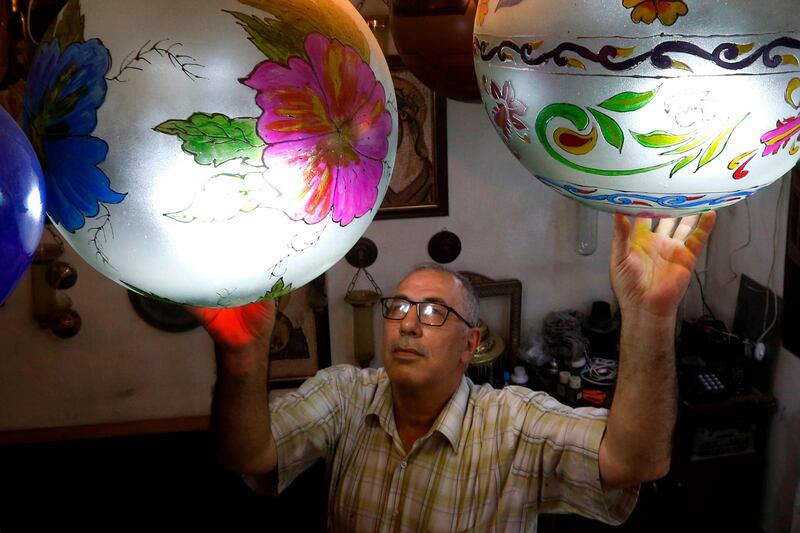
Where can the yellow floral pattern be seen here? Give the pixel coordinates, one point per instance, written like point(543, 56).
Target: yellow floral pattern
point(666, 11)
point(482, 10)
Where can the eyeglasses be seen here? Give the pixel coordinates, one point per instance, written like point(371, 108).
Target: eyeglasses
point(428, 313)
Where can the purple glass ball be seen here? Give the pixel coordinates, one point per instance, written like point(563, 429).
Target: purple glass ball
point(21, 204)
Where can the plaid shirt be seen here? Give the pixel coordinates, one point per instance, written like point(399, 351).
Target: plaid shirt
point(493, 460)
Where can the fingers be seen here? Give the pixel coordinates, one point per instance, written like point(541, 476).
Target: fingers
point(685, 227)
point(620, 244)
point(698, 238)
point(666, 226)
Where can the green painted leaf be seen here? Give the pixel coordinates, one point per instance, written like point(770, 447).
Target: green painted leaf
point(68, 28)
point(683, 163)
point(688, 147)
point(661, 139)
point(276, 40)
point(214, 139)
point(278, 289)
point(612, 133)
point(332, 18)
point(573, 113)
point(629, 101)
point(718, 145)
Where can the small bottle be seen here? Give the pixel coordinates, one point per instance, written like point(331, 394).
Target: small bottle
point(506, 377)
point(519, 377)
point(563, 383)
point(577, 365)
point(574, 393)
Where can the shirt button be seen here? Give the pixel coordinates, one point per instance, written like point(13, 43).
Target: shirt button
point(403, 465)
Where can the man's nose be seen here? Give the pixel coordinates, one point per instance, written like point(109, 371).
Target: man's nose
point(410, 325)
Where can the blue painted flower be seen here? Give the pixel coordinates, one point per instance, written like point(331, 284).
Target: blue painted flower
point(64, 90)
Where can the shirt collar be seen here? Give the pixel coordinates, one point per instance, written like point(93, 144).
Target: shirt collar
point(449, 422)
point(451, 419)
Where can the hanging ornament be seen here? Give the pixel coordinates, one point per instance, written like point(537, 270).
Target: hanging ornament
point(653, 108)
point(362, 301)
point(22, 193)
point(434, 39)
point(212, 153)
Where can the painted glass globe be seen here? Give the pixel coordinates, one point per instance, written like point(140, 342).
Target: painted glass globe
point(21, 204)
point(212, 152)
point(656, 108)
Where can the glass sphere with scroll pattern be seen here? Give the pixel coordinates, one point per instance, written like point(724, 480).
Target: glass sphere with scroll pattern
point(212, 153)
point(641, 107)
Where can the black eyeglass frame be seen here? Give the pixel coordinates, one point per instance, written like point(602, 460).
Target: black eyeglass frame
point(419, 315)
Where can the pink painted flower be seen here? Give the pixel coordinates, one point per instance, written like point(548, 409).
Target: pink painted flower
point(778, 138)
point(507, 110)
point(326, 129)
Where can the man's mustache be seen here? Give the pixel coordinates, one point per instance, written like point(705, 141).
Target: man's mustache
point(406, 343)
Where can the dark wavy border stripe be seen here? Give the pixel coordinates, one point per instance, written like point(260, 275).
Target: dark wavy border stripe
point(724, 55)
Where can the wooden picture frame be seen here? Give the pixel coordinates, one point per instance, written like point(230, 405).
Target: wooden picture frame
point(300, 344)
point(512, 289)
point(418, 187)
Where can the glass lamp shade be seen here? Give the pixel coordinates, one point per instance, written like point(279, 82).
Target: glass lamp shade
point(213, 153)
point(22, 194)
point(434, 40)
point(640, 107)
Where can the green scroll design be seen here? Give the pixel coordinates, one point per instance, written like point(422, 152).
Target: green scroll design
point(682, 148)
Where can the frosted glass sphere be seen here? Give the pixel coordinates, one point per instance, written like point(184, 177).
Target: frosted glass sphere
point(655, 108)
point(213, 152)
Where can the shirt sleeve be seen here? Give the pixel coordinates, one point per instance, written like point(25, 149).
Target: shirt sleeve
point(561, 447)
point(306, 423)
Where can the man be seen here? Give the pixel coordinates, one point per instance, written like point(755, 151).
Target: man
point(416, 446)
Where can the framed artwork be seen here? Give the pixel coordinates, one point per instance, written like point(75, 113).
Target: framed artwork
point(418, 187)
point(300, 344)
point(512, 290)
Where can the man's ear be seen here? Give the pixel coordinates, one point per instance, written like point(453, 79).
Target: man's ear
point(473, 338)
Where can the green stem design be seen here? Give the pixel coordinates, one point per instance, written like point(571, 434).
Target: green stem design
point(580, 120)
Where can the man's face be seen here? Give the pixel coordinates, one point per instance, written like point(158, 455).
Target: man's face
point(418, 355)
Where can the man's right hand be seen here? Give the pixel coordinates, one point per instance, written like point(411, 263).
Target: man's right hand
point(240, 418)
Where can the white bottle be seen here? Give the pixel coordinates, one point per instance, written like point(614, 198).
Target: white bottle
point(519, 377)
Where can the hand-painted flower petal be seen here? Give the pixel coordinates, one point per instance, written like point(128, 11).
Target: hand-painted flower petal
point(41, 78)
point(776, 139)
point(646, 12)
point(356, 190)
point(371, 125)
point(303, 174)
point(84, 66)
point(74, 183)
point(346, 80)
point(668, 12)
point(294, 106)
point(496, 92)
point(67, 92)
